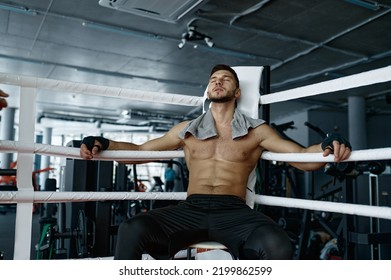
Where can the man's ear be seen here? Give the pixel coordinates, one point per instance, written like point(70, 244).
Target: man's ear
point(238, 93)
point(207, 92)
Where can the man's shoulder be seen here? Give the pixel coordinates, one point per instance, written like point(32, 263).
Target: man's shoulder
point(178, 127)
point(182, 125)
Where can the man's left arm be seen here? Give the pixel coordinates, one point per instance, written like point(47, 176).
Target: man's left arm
point(333, 144)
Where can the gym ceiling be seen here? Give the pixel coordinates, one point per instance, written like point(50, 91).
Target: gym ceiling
point(169, 46)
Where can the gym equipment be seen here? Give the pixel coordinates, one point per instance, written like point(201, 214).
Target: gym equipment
point(83, 234)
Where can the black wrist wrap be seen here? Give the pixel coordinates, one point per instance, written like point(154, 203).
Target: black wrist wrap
point(89, 141)
point(328, 141)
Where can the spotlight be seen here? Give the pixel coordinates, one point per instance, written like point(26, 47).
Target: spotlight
point(182, 43)
point(126, 114)
point(193, 35)
point(209, 42)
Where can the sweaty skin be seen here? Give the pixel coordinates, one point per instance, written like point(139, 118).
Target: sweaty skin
point(220, 165)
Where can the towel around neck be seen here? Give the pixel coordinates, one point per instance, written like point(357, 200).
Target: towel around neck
point(204, 128)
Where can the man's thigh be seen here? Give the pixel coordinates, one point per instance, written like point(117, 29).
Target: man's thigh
point(233, 227)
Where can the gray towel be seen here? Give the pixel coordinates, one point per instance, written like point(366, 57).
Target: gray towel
point(203, 127)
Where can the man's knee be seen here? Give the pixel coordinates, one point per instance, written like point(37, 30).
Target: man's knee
point(134, 227)
point(270, 242)
point(137, 235)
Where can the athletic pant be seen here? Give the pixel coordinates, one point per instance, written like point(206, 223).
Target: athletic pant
point(162, 232)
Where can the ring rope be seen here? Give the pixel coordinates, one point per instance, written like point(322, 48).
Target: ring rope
point(327, 206)
point(53, 197)
point(84, 88)
point(380, 75)
point(71, 152)
point(11, 197)
point(359, 155)
point(353, 81)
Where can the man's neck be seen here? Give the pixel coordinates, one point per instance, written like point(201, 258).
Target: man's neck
point(223, 113)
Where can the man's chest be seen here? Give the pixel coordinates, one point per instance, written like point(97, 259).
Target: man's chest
point(221, 148)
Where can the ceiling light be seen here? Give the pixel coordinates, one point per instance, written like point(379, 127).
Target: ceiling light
point(182, 43)
point(193, 35)
point(126, 114)
point(209, 42)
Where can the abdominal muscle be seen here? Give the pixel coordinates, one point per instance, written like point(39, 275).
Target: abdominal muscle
point(214, 177)
point(220, 168)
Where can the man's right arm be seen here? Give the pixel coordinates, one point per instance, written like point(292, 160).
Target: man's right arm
point(167, 142)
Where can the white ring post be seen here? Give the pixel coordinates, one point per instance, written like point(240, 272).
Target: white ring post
point(25, 160)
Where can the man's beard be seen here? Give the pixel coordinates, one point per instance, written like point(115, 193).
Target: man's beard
point(223, 99)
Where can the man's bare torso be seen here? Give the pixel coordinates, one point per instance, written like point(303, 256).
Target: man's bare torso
point(221, 165)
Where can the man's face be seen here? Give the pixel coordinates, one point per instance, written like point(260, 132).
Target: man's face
point(222, 87)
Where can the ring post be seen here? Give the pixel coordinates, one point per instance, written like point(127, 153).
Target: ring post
point(24, 210)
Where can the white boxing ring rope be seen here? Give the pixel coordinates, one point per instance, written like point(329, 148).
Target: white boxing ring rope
point(117, 92)
point(26, 148)
point(380, 75)
point(56, 197)
point(371, 77)
point(69, 152)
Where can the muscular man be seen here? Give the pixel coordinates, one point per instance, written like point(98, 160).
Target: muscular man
point(3, 101)
point(221, 148)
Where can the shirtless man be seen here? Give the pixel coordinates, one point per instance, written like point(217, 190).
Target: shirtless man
point(220, 154)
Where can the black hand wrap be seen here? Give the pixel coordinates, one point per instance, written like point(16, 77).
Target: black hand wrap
point(89, 141)
point(340, 169)
point(328, 141)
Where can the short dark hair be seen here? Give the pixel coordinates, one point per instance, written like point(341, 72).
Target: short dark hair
point(219, 67)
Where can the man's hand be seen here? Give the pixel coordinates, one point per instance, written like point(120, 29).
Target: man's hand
point(3, 101)
point(337, 145)
point(92, 145)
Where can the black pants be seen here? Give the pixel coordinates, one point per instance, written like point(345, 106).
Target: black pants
point(169, 186)
point(162, 232)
